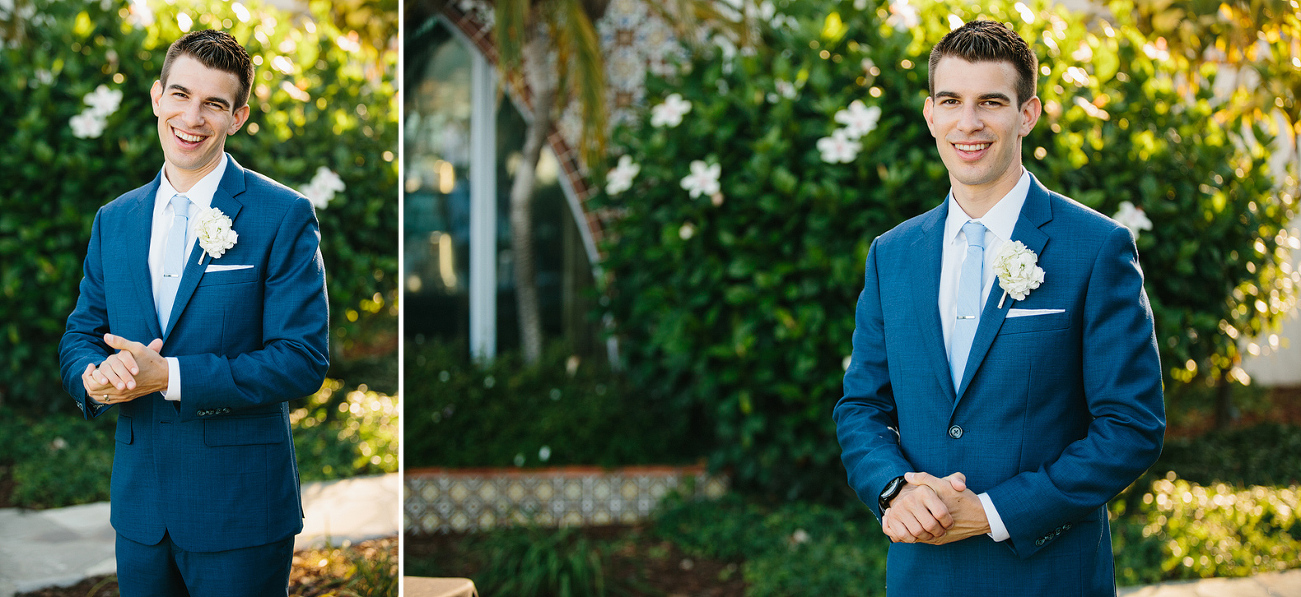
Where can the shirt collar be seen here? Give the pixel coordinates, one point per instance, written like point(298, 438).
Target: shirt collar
point(200, 194)
point(1000, 219)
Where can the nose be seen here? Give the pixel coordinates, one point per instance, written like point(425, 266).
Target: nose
point(969, 119)
point(193, 114)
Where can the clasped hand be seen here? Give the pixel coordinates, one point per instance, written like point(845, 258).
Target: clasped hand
point(934, 511)
point(135, 370)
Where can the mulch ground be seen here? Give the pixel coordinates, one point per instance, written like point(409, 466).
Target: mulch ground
point(315, 573)
point(638, 566)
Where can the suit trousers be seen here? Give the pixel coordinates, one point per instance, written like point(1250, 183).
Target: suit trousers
point(165, 570)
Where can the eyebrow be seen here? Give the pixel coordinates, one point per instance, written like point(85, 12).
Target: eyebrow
point(220, 100)
point(984, 96)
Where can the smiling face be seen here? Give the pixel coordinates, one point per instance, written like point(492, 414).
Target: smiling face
point(978, 127)
point(196, 110)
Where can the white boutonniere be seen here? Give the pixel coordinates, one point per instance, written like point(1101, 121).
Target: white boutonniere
point(1018, 271)
point(214, 232)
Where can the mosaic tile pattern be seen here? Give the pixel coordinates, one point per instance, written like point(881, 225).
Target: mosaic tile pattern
point(635, 40)
point(442, 501)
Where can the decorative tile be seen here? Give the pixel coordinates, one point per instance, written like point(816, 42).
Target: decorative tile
point(573, 496)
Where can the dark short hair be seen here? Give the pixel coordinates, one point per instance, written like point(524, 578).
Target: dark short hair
point(989, 41)
point(214, 49)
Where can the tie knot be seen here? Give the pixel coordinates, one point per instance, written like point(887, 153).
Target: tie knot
point(975, 232)
point(180, 205)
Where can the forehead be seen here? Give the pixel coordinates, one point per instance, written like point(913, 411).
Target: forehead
point(957, 75)
point(201, 80)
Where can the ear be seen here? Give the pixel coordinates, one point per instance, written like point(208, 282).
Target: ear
point(241, 116)
point(156, 95)
point(928, 112)
point(1030, 112)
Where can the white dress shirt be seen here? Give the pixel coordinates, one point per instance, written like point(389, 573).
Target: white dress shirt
point(200, 196)
point(999, 222)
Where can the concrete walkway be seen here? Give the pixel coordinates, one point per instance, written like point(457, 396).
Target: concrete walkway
point(59, 547)
point(1269, 584)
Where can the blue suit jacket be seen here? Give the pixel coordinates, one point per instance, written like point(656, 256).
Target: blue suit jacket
point(1055, 414)
point(216, 470)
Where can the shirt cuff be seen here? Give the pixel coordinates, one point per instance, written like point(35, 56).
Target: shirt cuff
point(174, 383)
point(997, 531)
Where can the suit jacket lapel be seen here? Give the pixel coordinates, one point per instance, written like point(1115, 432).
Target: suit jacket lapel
point(232, 185)
point(929, 247)
point(1034, 214)
point(139, 225)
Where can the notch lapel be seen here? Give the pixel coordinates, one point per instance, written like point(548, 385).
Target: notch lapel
point(139, 225)
point(1034, 214)
point(232, 185)
point(929, 247)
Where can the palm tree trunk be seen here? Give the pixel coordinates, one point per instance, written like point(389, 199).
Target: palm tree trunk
point(521, 213)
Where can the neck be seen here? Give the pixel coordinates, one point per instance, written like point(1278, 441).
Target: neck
point(184, 180)
point(977, 200)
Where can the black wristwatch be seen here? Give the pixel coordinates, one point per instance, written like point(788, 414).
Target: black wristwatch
point(891, 490)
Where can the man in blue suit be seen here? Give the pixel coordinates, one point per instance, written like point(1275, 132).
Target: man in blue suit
point(202, 312)
point(1004, 382)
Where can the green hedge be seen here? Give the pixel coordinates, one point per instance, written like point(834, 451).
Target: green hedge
point(569, 409)
point(315, 104)
point(739, 307)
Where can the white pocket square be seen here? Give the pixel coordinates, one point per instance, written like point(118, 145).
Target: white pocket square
point(1014, 312)
point(225, 268)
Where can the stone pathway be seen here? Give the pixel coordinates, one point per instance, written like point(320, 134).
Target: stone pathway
point(62, 546)
point(1269, 584)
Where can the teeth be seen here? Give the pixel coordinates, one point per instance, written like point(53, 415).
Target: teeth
point(188, 137)
point(976, 147)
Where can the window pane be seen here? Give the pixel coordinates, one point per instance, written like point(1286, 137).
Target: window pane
point(437, 203)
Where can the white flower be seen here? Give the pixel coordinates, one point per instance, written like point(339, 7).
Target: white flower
point(320, 191)
point(686, 231)
point(903, 16)
point(141, 15)
point(102, 102)
point(786, 89)
point(858, 119)
point(1133, 218)
point(703, 179)
point(87, 125)
point(620, 178)
point(800, 536)
point(544, 453)
point(839, 148)
point(215, 233)
point(670, 112)
point(1018, 271)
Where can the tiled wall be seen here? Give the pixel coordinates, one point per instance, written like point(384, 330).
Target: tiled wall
point(440, 500)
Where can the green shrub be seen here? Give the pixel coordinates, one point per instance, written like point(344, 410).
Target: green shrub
point(1181, 530)
point(315, 104)
point(570, 410)
point(338, 438)
point(537, 562)
point(793, 549)
point(56, 461)
point(739, 308)
point(1265, 454)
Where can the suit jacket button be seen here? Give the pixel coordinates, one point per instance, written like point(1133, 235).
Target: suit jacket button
point(1039, 542)
point(955, 432)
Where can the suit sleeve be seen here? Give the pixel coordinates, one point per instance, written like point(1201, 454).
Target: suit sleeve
point(1122, 387)
point(866, 421)
point(83, 338)
point(295, 331)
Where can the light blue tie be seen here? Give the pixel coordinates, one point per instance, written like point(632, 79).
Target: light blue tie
point(174, 257)
point(968, 300)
